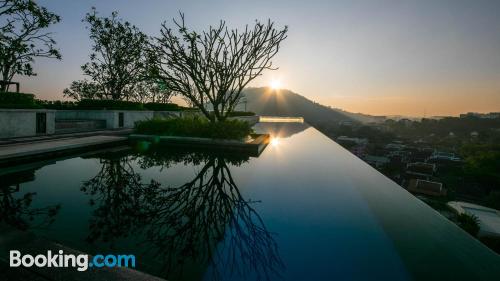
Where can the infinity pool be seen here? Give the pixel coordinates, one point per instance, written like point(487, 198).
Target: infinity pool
point(305, 209)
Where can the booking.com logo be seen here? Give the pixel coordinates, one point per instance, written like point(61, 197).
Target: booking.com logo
point(80, 262)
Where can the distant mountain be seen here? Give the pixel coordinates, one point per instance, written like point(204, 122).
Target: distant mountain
point(264, 101)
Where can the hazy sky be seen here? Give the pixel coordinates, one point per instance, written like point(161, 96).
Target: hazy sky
point(433, 57)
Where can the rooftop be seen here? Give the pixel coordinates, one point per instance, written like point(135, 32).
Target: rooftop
point(426, 187)
point(489, 219)
point(305, 209)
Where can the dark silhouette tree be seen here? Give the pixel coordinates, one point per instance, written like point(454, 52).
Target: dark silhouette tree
point(185, 225)
point(23, 37)
point(116, 69)
point(15, 207)
point(469, 223)
point(211, 68)
point(122, 196)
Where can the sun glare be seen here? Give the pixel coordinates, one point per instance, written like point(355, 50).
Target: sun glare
point(275, 141)
point(275, 84)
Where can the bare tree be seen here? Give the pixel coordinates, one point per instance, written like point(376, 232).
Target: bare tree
point(212, 68)
point(117, 62)
point(23, 38)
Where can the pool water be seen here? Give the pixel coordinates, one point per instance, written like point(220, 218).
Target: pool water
point(305, 209)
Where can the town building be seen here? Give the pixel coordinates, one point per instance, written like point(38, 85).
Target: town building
point(426, 187)
point(489, 219)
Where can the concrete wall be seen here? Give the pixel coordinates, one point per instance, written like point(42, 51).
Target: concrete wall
point(167, 114)
point(110, 116)
point(107, 115)
point(22, 122)
point(130, 117)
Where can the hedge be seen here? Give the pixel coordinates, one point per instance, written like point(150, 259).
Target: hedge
point(109, 104)
point(195, 127)
point(22, 100)
point(58, 105)
point(155, 106)
point(17, 100)
point(241, 113)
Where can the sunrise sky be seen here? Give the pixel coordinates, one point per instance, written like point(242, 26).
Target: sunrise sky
point(416, 58)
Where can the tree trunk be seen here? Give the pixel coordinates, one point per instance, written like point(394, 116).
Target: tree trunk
point(4, 87)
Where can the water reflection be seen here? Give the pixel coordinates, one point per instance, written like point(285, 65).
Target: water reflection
point(281, 130)
point(16, 208)
point(122, 199)
point(203, 222)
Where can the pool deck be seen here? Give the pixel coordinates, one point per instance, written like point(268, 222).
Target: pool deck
point(27, 242)
point(19, 152)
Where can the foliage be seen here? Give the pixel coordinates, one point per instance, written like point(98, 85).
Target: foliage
point(23, 38)
point(83, 89)
point(152, 91)
point(493, 200)
point(109, 104)
point(127, 105)
point(156, 106)
point(240, 113)
point(482, 161)
point(57, 105)
point(211, 68)
point(461, 127)
point(469, 223)
point(195, 127)
point(17, 100)
point(21, 100)
point(117, 67)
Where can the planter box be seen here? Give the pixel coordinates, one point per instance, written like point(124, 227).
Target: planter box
point(253, 147)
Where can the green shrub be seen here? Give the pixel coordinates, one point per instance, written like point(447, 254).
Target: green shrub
point(194, 127)
point(109, 104)
point(156, 106)
point(241, 113)
point(21, 100)
point(17, 100)
point(57, 105)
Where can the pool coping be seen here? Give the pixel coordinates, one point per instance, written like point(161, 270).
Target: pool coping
point(253, 147)
point(30, 152)
point(29, 243)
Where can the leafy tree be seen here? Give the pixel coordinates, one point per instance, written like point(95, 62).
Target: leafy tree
point(117, 63)
point(482, 161)
point(83, 89)
point(23, 37)
point(493, 200)
point(211, 68)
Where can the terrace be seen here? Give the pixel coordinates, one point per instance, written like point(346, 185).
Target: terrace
point(305, 209)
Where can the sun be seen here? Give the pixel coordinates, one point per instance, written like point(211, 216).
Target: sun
point(275, 141)
point(275, 84)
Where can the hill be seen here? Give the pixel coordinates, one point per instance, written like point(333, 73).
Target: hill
point(264, 101)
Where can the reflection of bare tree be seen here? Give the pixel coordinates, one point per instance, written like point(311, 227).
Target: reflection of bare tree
point(205, 221)
point(121, 195)
point(16, 210)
